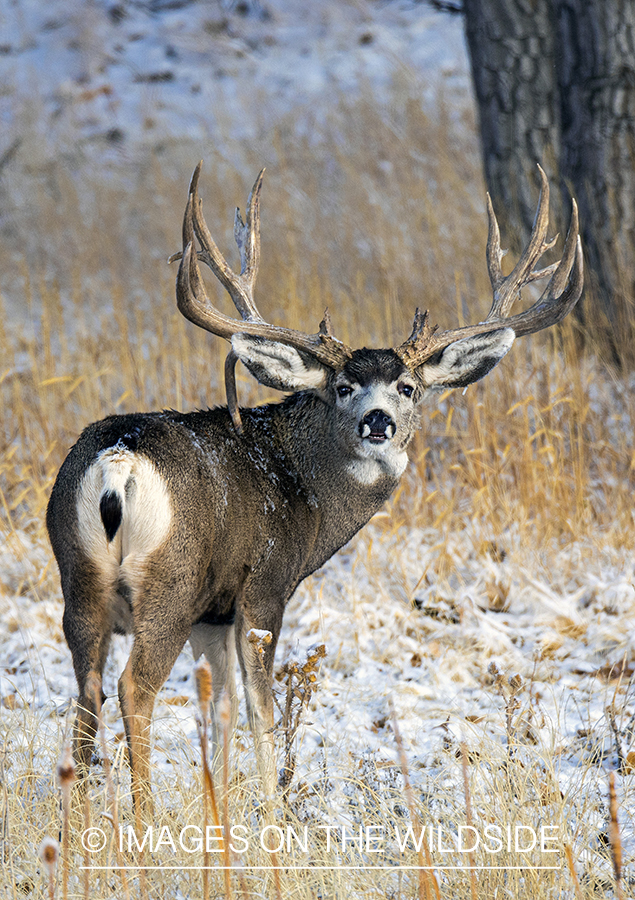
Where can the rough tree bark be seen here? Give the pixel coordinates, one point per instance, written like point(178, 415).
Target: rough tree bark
point(511, 46)
point(555, 83)
point(596, 74)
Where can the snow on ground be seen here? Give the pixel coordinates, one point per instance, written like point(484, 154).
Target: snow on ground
point(394, 640)
point(114, 79)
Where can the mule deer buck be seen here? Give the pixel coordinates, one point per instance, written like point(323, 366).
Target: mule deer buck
point(200, 525)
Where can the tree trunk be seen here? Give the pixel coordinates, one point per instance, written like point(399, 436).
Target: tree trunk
point(596, 71)
point(555, 84)
point(511, 46)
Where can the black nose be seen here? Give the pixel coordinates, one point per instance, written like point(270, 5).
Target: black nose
point(377, 425)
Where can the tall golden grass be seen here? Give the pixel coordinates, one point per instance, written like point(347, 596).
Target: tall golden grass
point(376, 212)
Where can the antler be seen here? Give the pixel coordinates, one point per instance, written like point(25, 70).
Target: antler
point(558, 299)
point(194, 303)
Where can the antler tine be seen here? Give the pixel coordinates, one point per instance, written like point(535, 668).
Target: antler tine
point(493, 251)
point(247, 237)
point(190, 291)
point(563, 290)
point(240, 287)
point(191, 296)
point(420, 337)
point(506, 290)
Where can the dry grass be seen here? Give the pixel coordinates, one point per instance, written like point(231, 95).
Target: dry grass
point(383, 862)
point(376, 213)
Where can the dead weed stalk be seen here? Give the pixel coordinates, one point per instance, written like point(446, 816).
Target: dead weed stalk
point(301, 681)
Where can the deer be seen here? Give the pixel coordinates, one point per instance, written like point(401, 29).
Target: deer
point(200, 525)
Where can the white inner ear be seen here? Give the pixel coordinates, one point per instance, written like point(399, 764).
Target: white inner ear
point(277, 365)
point(468, 360)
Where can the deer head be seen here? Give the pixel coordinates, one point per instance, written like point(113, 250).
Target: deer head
point(375, 393)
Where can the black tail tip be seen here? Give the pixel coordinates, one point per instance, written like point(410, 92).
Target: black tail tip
point(111, 512)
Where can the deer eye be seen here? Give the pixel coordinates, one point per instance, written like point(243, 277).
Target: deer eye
point(344, 390)
point(406, 389)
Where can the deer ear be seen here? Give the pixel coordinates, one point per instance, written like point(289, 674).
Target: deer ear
point(467, 360)
point(279, 366)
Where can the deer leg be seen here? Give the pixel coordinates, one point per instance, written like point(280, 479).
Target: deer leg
point(218, 644)
point(87, 624)
point(257, 672)
point(154, 651)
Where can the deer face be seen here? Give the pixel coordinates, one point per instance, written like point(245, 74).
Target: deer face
point(375, 397)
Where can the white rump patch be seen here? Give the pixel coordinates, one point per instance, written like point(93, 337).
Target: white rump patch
point(146, 513)
point(277, 365)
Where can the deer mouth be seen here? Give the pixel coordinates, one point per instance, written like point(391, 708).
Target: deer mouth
point(375, 437)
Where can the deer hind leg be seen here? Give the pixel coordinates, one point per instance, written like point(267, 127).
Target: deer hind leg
point(218, 644)
point(87, 624)
point(157, 644)
point(257, 674)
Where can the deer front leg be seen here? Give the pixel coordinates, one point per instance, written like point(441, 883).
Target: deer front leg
point(256, 665)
